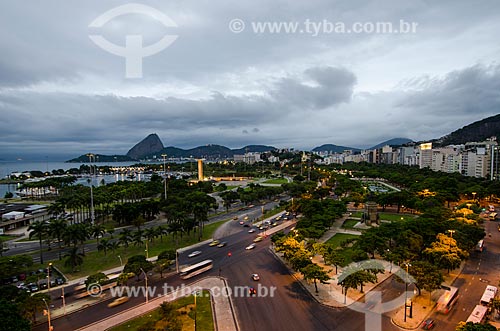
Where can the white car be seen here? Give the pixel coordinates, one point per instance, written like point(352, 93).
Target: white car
point(255, 277)
point(251, 231)
point(251, 246)
point(195, 253)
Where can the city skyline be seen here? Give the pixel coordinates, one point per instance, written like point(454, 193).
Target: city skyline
point(60, 93)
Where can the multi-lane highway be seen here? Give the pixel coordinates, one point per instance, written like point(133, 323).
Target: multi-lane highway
point(292, 308)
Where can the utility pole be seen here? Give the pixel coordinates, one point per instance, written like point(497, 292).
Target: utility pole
point(165, 175)
point(91, 182)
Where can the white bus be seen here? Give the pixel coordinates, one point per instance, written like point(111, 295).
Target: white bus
point(196, 269)
point(478, 314)
point(447, 300)
point(489, 293)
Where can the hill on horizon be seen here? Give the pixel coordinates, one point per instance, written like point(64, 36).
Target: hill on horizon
point(393, 142)
point(477, 131)
point(333, 148)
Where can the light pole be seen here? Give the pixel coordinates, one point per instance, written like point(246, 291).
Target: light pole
point(48, 278)
point(165, 174)
point(146, 278)
point(91, 182)
point(147, 250)
point(121, 262)
point(47, 312)
point(195, 309)
point(406, 288)
point(63, 300)
point(451, 232)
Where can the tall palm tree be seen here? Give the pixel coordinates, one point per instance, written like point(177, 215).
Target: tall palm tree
point(125, 237)
point(73, 258)
point(98, 231)
point(38, 229)
point(56, 229)
point(104, 245)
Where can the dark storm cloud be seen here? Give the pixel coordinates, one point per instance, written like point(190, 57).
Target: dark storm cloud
point(56, 117)
point(59, 91)
point(474, 90)
point(331, 86)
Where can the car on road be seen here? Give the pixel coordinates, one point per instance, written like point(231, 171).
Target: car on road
point(252, 291)
point(251, 231)
point(249, 247)
point(256, 240)
point(214, 243)
point(222, 244)
point(245, 218)
point(241, 222)
point(246, 225)
point(235, 218)
point(118, 301)
point(195, 253)
point(255, 277)
point(428, 324)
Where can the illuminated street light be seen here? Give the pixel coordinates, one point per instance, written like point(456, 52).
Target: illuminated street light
point(47, 312)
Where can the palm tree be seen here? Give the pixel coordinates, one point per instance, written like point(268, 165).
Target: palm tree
point(38, 229)
point(125, 237)
point(103, 246)
point(73, 258)
point(97, 231)
point(57, 228)
point(150, 234)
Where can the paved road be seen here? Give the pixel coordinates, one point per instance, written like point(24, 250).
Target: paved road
point(292, 308)
point(480, 270)
point(32, 248)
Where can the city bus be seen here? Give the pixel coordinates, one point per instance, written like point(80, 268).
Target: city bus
point(447, 300)
point(196, 269)
point(489, 293)
point(478, 314)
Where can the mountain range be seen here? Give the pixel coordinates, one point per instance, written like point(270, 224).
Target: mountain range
point(152, 147)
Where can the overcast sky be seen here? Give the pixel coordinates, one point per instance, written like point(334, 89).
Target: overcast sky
point(60, 93)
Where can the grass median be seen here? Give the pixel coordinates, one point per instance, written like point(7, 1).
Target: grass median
point(186, 314)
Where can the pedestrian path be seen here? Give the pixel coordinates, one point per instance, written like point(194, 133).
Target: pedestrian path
point(337, 228)
point(223, 309)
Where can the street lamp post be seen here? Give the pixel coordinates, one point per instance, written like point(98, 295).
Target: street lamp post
point(165, 174)
point(91, 182)
point(146, 278)
point(451, 232)
point(406, 288)
point(48, 315)
point(48, 278)
point(195, 309)
point(121, 262)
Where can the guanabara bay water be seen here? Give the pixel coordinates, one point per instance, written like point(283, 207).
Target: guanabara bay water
point(8, 167)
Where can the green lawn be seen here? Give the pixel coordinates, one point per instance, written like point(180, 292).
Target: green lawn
point(340, 237)
point(94, 262)
point(204, 316)
point(7, 237)
point(396, 217)
point(349, 224)
point(357, 214)
point(276, 181)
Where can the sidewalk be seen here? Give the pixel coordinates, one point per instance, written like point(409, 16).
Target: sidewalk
point(223, 309)
point(337, 228)
point(331, 294)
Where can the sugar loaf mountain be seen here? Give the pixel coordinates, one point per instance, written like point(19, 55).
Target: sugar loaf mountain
point(152, 147)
